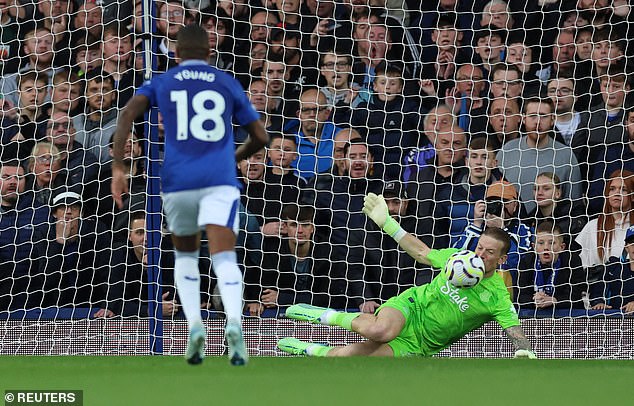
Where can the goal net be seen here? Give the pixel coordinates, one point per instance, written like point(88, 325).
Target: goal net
point(464, 115)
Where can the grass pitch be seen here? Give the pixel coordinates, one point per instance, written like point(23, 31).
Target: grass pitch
point(324, 381)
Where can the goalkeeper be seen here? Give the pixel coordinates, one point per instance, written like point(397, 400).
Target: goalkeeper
point(426, 319)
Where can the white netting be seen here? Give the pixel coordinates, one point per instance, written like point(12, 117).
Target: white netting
point(428, 103)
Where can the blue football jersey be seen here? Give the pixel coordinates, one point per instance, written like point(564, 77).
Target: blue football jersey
point(198, 103)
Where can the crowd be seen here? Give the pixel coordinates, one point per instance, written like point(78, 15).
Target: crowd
point(463, 114)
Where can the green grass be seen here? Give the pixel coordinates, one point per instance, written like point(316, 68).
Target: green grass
point(318, 381)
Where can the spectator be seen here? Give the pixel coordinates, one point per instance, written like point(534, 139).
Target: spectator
point(496, 13)
point(38, 50)
point(433, 185)
point(523, 159)
point(444, 57)
point(568, 215)
point(551, 277)
point(274, 74)
point(438, 120)
point(506, 81)
point(127, 294)
point(611, 158)
point(482, 171)
point(467, 99)
point(500, 209)
point(9, 42)
point(301, 65)
point(118, 60)
point(488, 46)
point(614, 289)
point(342, 138)
point(295, 268)
point(314, 136)
point(604, 237)
point(133, 160)
point(97, 124)
point(253, 188)
point(504, 122)
point(583, 44)
point(520, 54)
point(379, 43)
point(567, 121)
point(263, 105)
point(338, 211)
point(32, 91)
point(605, 126)
point(44, 171)
point(282, 185)
point(262, 21)
point(87, 53)
point(335, 69)
point(391, 121)
point(21, 214)
point(171, 18)
point(89, 17)
point(82, 166)
point(66, 96)
point(563, 52)
point(219, 28)
point(387, 270)
point(608, 49)
point(71, 256)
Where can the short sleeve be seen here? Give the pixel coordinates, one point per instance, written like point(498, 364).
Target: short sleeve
point(148, 89)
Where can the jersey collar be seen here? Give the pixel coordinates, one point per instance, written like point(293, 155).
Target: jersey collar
point(189, 62)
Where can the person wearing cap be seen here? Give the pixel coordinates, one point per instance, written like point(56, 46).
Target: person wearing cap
point(550, 276)
point(68, 269)
point(500, 210)
point(388, 270)
point(20, 214)
point(615, 288)
point(522, 159)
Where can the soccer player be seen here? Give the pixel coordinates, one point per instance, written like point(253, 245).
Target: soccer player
point(426, 319)
point(199, 185)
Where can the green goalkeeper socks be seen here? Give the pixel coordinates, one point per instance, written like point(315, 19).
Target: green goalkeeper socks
point(343, 319)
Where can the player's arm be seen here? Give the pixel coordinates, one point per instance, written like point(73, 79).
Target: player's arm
point(520, 342)
point(136, 106)
point(258, 138)
point(374, 206)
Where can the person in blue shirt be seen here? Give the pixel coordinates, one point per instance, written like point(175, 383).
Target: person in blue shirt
point(315, 145)
point(199, 185)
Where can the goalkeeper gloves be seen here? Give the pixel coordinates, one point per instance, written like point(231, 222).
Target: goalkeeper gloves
point(525, 354)
point(374, 206)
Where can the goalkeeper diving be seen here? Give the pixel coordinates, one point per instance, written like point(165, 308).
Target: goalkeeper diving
point(423, 320)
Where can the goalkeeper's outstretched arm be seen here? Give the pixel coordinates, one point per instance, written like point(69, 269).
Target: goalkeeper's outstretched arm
point(374, 206)
point(522, 346)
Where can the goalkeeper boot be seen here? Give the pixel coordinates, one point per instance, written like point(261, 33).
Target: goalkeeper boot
point(309, 313)
point(238, 354)
point(294, 346)
point(196, 345)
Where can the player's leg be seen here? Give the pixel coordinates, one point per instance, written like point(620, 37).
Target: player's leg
point(219, 214)
point(365, 348)
point(382, 327)
point(181, 209)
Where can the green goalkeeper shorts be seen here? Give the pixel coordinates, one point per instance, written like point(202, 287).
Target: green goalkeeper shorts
point(407, 343)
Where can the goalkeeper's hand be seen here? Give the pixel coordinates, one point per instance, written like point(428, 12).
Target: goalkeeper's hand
point(374, 206)
point(525, 354)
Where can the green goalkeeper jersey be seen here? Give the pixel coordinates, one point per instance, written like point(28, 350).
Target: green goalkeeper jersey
point(441, 314)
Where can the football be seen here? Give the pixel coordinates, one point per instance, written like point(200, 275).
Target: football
point(464, 269)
